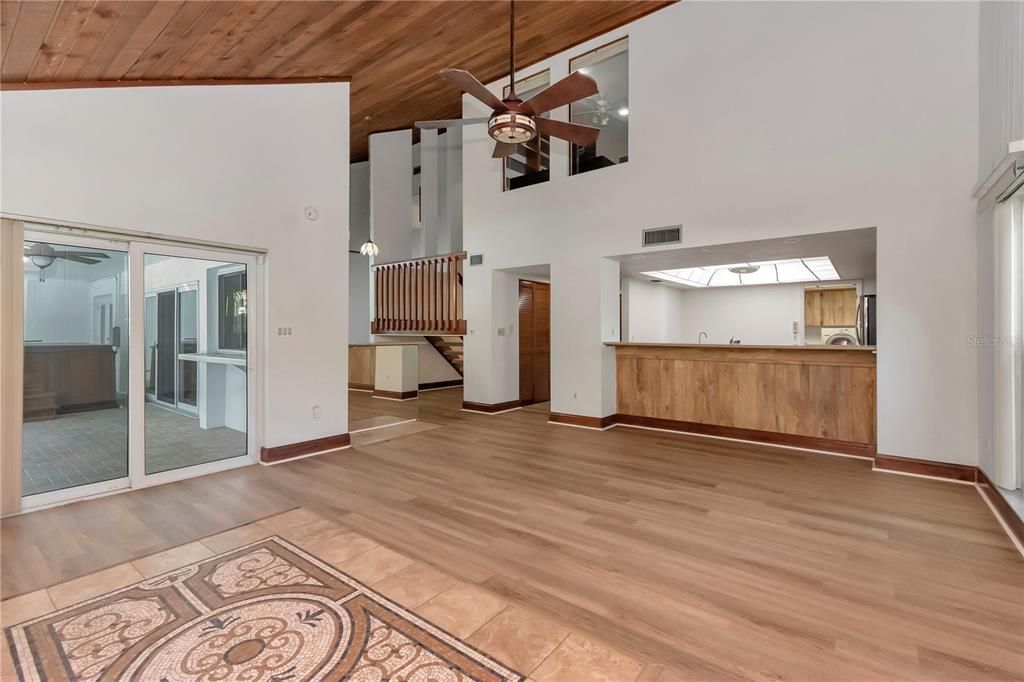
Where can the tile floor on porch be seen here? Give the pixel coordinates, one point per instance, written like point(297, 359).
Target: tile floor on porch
point(89, 447)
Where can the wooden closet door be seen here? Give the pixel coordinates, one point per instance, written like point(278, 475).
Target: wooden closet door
point(541, 342)
point(526, 371)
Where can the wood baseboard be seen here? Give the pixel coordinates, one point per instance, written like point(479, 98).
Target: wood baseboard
point(395, 395)
point(580, 420)
point(440, 384)
point(282, 452)
point(1002, 507)
point(491, 408)
point(771, 437)
point(926, 467)
point(360, 387)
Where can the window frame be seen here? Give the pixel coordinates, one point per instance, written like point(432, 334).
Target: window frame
point(222, 272)
point(572, 147)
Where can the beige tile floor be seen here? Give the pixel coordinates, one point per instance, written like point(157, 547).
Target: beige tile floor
point(537, 646)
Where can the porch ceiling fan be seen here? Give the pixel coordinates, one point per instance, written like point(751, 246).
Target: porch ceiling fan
point(43, 255)
point(514, 122)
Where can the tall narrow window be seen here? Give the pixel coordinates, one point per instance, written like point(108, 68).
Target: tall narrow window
point(231, 319)
point(607, 110)
point(532, 163)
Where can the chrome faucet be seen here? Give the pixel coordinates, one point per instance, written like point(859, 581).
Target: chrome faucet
point(703, 335)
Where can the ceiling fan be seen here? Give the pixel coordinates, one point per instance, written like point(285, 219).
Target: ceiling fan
point(514, 122)
point(43, 256)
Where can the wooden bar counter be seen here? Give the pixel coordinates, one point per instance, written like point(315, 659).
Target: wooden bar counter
point(819, 397)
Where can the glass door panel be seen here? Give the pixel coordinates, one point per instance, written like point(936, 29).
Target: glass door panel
point(188, 344)
point(166, 352)
point(75, 432)
point(200, 414)
point(150, 346)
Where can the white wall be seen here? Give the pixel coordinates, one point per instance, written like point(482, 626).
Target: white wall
point(60, 310)
point(753, 314)
point(231, 164)
point(756, 315)
point(761, 120)
point(1001, 109)
point(390, 194)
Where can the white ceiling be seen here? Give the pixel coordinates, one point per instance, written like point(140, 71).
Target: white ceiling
point(852, 253)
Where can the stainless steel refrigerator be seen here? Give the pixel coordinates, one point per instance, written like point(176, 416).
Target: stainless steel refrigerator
point(867, 320)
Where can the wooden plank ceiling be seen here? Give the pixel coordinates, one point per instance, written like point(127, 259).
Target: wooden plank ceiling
point(391, 51)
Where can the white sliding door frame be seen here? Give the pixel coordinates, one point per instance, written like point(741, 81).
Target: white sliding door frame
point(33, 233)
point(136, 375)
point(136, 244)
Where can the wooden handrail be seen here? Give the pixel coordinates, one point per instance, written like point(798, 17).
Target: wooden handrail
point(420, 295)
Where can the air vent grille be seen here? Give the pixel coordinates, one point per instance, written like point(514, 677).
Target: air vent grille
point(659, 236)
point(476, 259)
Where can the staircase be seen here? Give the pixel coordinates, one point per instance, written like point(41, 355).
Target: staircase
point(450, 347)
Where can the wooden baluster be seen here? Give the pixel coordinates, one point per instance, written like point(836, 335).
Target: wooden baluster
point(419, 297)
point(458, 290)
point(453, 280)
point(444, 296)
point(436, 292)
point(433, 295)
point(376, 295)
point(394, 297)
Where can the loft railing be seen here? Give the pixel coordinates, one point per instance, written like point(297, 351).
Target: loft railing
point(423, 295)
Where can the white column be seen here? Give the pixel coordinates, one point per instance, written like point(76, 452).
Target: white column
point(584, 315)
point(431, 184)
point(450, 236)
point(491, 347)
point(390, 190)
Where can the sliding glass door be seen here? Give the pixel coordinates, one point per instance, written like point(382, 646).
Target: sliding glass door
point(139, 367)
point(196, 322)
point(76, 408)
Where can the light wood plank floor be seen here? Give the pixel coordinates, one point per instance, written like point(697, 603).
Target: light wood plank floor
point(714, 559)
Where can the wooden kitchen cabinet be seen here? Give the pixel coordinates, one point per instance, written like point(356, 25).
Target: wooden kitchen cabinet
point(830, 307)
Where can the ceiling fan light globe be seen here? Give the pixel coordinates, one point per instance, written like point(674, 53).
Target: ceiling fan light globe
point(42, 260)
point(511, 128)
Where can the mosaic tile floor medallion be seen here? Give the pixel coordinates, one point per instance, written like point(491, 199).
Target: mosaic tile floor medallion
point(266, 612)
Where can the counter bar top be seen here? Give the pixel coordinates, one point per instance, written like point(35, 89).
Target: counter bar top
point(734, 346)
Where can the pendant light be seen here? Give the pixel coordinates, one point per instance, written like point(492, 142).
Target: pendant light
point(369, 248)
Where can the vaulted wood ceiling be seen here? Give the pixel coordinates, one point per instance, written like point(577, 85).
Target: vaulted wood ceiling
point(391, 51)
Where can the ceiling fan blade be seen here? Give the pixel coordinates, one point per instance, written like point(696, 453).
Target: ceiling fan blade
point(78, 259)
point(571, 88)
point(450, 123)
point(503, 149)
point(574, 132)
point(468, 83)
point(85, 254)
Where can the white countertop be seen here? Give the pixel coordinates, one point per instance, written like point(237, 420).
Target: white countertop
point(215, 358)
